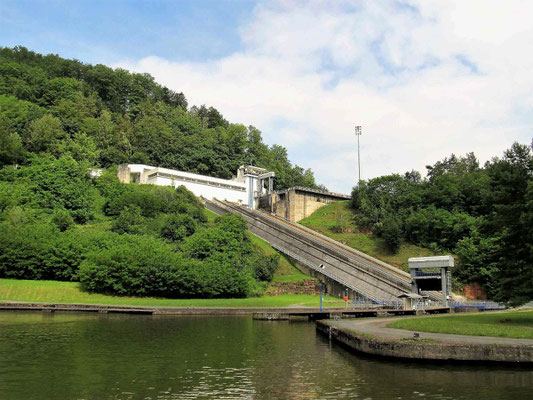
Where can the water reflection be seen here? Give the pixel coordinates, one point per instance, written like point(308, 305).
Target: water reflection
point(90, 356)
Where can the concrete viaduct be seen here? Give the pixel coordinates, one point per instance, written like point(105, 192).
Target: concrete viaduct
point(342, 267)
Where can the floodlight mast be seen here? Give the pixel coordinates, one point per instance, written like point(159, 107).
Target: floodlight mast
point(358, 132)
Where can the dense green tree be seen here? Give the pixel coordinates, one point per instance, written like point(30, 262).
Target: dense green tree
point(392, 233)
point(178, 227)
point(11, 149)
point(19, 113)
point(129, 220)
point(62, 219)
point(509, 203)
point(482, 214)
point(46, 135)
point(111, 116)
point(58, 89)
point(62, 183)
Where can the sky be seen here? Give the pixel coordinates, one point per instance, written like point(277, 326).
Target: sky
point(424, 78)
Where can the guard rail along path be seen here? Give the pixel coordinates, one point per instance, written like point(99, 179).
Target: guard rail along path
point(352, 269)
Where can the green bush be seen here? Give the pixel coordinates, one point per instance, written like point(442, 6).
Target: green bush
point(138, 265)
point(129, 220)
point(227, 236)
point(145, 266)
point(151, 200)
point(57, 183)
point(264, 267)
point(37, 250)
point(62, 219)
point(178, 227)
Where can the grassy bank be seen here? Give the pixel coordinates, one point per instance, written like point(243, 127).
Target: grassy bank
point(326, 220)
point(69, 292)
point(511, 324)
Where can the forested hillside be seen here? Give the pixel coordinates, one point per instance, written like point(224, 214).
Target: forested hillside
point(484, 215)
point(51, 105)
point(58, 119)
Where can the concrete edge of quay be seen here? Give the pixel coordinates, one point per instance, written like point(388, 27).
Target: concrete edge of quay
point(133, 309)
point(426, 350)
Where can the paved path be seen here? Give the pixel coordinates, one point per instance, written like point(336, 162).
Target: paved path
point(378, 328)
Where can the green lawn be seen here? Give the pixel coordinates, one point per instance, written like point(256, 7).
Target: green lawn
point(512, 324)
point(325, 219)
point(211, 216)
point(69, 292)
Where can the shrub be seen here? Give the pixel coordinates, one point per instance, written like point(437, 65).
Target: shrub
point(342, 221)
point(178, 227)
point(129, 221)
point(264, 267)
point(62, 219)
point(151, 200)
point(24, 250)
point(62, 183)
point(139, 265)
point(228, 236)
point(38, 250)
point(145, 266)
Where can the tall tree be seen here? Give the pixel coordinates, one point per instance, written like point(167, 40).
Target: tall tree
point(509, 218)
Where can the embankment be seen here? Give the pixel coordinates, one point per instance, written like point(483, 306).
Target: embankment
point(374, 338)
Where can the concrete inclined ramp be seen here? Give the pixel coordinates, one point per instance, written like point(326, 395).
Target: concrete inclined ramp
point(357, 271)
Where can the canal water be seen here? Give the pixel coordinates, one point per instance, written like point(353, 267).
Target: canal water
point(92, 356)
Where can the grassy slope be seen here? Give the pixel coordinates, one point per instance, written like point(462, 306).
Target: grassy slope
point(211, 216)
point(325, 219)
point(69, 292)
point(512, 324)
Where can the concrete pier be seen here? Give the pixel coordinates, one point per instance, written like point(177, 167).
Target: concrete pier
point(375, 338)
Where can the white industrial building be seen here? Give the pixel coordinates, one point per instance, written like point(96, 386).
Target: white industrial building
point(246, 188)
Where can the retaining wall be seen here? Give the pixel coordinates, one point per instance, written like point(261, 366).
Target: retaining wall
point(427, 350)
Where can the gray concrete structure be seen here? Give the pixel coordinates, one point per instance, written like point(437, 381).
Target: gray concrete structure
point(431, 273)
point(372, 336)
point(298, 202)
point(361, 274)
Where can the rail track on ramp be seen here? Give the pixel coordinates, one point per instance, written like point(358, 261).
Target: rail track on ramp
point(365, 275)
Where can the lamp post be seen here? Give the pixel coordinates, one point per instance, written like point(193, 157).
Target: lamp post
point(358, 132)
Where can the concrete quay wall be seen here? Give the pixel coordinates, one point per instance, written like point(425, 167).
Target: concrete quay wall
point(149, 310)
point(415, 349)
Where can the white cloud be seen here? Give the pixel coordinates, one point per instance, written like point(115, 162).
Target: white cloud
point(424, 79)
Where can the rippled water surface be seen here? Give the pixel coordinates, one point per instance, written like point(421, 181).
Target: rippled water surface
point(87, 356)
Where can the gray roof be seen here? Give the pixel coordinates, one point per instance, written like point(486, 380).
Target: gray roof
point(317, 191)
point(431, 262)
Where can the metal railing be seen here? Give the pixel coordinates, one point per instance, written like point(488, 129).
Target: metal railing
point(482, 305)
